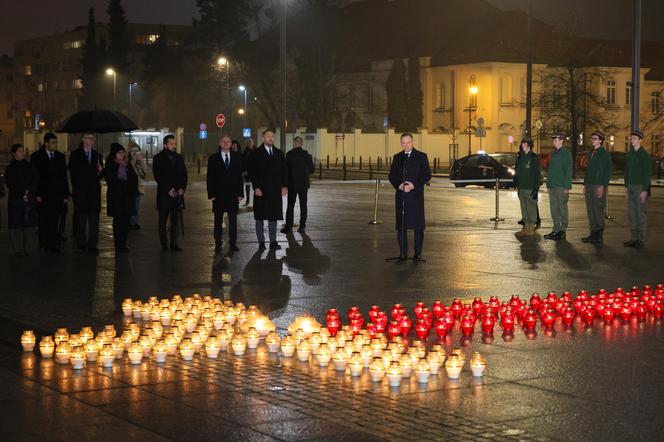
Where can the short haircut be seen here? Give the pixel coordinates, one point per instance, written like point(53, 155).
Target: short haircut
point(226, 136)
point(167, 138)
point(406, 134)
point(49, 136)
point(16, 147)
point(297, 139)
point(267, 130)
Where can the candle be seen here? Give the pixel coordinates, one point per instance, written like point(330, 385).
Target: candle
point(367, 355)
point(107, 355)
point(91, 351)
point(253, 338)
point(187, 349)
point(422, 371)
point(61, 335)
point(377, 370)
point(386, 357)
point(239, 344)
point(394, 374)
point(135, 353)
point(303, 351)
point(127, 306)
point(46, 347)
point(453, 367)
point(28, 340)
point(356, 365)
point(273, 341)
point(77, 358)
point(548, 319)
point(406, 364)
point(323, 355)
point(62, 351)
point(377, 346)
point(340, 360)
point(315, 341)
point(146, 344)
point(212, 347)
point(288, 346)
point(477, 365)
point(435, 361)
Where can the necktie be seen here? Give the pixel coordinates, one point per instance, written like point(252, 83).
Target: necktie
point(87, 154)
point(226, 160)
point(50, 155)
point(269, 151)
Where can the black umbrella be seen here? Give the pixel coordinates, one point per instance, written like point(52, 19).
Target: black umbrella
point(97, 121)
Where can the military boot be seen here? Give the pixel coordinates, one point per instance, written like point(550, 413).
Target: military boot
point(529, 230)
point(589, 238)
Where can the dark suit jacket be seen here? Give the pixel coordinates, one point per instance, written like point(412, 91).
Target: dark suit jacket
point(417, 171)
point(269, 174)
point(53, 185)
point(85, 186)
point(169, 174)
point(300, 166)
point(225, 185)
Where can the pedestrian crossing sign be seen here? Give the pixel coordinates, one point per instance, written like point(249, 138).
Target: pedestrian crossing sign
point(246, 132)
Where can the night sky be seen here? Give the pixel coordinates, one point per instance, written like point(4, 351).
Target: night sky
point(26, 19)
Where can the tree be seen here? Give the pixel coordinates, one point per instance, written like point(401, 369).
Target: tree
point(118, 45)
point(397, 96)
point(415, 104)
point(90, 66)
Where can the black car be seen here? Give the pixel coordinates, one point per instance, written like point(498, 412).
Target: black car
point(482, 166)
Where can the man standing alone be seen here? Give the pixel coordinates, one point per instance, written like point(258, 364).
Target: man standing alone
point(559, 183)
point(595, 184)
point(224, 188)
point(638, 172)
point(170, 174)
point(269, 176)
point(300, 166)
point(85, 173)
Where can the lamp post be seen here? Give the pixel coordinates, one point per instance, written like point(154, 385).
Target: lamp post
point(473, 93)
point(282, 65)
point(242, 88)
point(111, 72)
point(223, 65)
point(131, 107)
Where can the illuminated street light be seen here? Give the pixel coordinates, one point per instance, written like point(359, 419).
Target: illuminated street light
point(240, 111)
point(472, 90)
point(222, 61)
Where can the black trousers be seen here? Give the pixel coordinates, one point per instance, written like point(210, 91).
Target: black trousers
point(247, 191)
point(232, 226)
point(121, 230)
point(300, 194)
point(402, 239)
point(91, 221)
point(164, 216)
point(47, 226)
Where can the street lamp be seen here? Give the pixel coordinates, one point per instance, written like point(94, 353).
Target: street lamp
point(111, 72)
point(241, 88)
point(131, 85)
point(240, 111)
point(472, 106)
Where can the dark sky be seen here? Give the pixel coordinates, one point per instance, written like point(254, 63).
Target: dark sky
point(21, 19)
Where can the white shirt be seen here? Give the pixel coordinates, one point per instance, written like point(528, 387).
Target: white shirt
point(226, 156)
point(269, 150)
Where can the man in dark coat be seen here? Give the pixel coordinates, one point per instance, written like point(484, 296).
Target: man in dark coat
point(300, 166)
point(409, 173)
point(22, 180)
point(85, 173)
point(225, 190)
point(170, 174)
point(269, 176)
point(52, 192)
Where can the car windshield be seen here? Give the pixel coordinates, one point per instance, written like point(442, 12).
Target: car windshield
point(505, 159)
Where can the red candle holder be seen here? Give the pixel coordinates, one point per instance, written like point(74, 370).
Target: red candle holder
point(641, 312)
point(372, 329)
point(515, 300)
point(419, 306)
point(467, 325)
point(449, 319)
point(530, 320)
point(551, 298)
point(477, 306)
point(588, 317)
point(548, 319)
point(438, 309)
point(333, 325)
point(456, 307)
point(373, 313)
point(428, 317)
point(488, 323)
point(352, 311)
point(381, 322)
point(394, 330)
point(405, 324)
point(396, 312)
point(332, 313)
point(608, 314)
point(494, 303)
point(421, 330)
point(507, 322)
point(568, 317)
point(579, 305)
point(659, 310)
point(441, 327)
point(626, 312)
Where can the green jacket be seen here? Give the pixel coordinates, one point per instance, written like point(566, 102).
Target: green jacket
point(599, 168)
point(560, 169)
point(528, 172)
point(638, 168)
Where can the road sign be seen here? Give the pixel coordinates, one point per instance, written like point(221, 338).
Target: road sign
point(202, 135)
point(538, 124)
point(340, 136)
point(203, 126)
point(246, 132)
point(37, 116)
point(221, 120)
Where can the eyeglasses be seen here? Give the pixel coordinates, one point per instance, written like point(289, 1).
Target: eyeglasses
point(594, 138)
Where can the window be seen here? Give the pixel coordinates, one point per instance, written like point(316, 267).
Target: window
point(55, 85)
point(40, 87)
point(556, 95)
point(506, 89)
point(656, 144)
point(28, 69)
point(628, 93)
point(439, 98)
point(611, 91)
point(77, 84)
point(76, 44)
point(146, 39)
point(523, 88)
point(655, 103)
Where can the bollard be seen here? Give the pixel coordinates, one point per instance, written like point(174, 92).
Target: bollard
point(378, 163)
point(360, 162)
point(435, 164)
point(328, 162)
point(198, 162)
point(375, 220)
point(344, 168)
point(606, 206)
point(320, 171)
point(370, 171)
point(497, 218)
point(336, 161)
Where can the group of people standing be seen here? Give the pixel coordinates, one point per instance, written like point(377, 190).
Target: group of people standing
point(272, 175)
point(528, 178)
point(39, 191)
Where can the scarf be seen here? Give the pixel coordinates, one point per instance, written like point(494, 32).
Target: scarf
point(122, 169)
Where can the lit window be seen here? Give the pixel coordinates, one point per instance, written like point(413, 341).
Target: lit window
point(611, 92)
point(76, 44)
point(153, 37)
point(28, 69)
point(628, 93)
point(506, 89)
point(655, 103)
point(77, 84)
point(40, 87)
point(440, 96)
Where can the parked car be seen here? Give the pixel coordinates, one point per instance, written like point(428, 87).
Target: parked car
point(482, 166)
point(618, 159)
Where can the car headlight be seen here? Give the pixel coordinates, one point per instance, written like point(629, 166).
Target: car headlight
point(511, 171)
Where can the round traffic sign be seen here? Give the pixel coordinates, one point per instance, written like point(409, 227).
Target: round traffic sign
point(203, 126)
point(221, 120)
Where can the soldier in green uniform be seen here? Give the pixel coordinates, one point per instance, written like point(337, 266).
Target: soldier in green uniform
point(638, 171)
point(559, 183)
point(528, 180)
point(595, 185)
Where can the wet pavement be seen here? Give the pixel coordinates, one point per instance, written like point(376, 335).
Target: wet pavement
point(602, 383)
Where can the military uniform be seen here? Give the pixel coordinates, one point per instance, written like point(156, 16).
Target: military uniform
point(638, 171)
point(559, 183)
point(529, 179)
point(598, 175)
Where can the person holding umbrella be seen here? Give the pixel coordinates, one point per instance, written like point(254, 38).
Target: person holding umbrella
point(21, 179)
point(122, 187)
point(170, 174)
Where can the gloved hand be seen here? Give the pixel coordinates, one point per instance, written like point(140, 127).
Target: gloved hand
point(534, 193)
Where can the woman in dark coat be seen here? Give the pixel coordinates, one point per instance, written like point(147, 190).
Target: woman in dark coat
point(22, 180)
point(122, 187)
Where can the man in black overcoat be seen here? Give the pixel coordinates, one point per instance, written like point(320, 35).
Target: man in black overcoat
point(52, 191)
point(269, 177)
point(409, 174)
point(300, 166)
point(225, 190)
point(170, 174)
point(85, 174)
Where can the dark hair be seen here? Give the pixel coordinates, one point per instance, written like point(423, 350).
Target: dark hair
point(16, 147)
point(167, 138)
point(406, 134)
point(528, 141)
point(115, 148)
point(49, 136)
point(236, 142)
point(267, 130)
point(297, 139)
